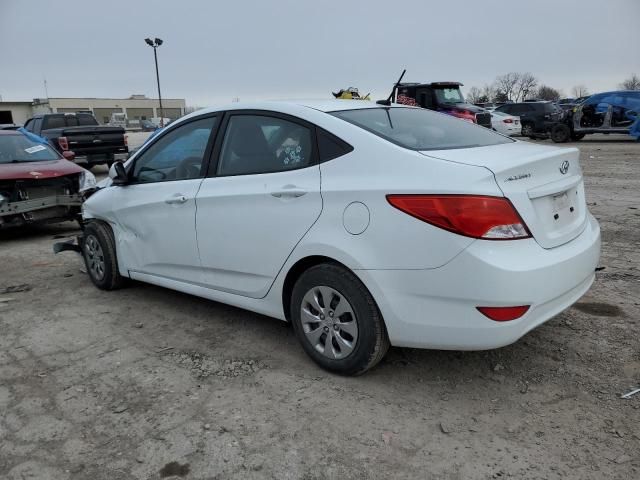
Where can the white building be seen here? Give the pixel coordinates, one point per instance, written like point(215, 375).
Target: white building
point(136, 108)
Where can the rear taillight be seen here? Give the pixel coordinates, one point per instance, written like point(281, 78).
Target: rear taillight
point(476, 216)
point(507, 120)
point(64, 143)
point(503, 314)
point(126, 141)
point(465, 115)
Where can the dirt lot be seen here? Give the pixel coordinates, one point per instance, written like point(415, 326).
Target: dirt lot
point(146, 383)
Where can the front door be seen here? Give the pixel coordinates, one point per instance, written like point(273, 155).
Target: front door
point(156, 211)
point(262, 198)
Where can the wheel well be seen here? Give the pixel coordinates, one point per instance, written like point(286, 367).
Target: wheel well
point(294, 273)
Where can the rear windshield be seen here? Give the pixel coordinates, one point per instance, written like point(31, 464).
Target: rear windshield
point(19, 148)
point(420, 129)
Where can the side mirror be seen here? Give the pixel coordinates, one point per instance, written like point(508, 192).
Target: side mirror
point(69, 155)
point(118, 174)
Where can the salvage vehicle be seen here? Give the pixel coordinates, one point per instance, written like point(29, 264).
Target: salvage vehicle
point(80, 133)
point(505, 124)
point(537, 118)
point(444, 97)
point(609, 112)
point(364, 225)
point(37, 184)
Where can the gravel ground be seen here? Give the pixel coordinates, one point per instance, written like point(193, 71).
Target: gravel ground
point(146, 383)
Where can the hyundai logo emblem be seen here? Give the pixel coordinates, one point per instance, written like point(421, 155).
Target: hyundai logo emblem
point(564, 168)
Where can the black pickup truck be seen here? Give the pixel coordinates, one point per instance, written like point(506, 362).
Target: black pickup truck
point(91, 143)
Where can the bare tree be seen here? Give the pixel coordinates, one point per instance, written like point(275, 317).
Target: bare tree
point(526, 84)
point(506, 84)
point(546, 92)
point(474, 95)
point(579, 91)
point(488, 92)
point(631, 83)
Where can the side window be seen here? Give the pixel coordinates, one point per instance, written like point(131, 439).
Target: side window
point(330, 146)
point(263, 144)
point(54, 121)
point(37, 125)
point(85, 120)
point(29, 125)
point(177, 155)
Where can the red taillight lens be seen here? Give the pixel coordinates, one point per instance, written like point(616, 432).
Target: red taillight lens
point(477, 216)
point(64, 143)
point(465, 115)
point(503, 314)
point(507, 120)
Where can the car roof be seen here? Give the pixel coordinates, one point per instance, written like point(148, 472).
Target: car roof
point(328, 105)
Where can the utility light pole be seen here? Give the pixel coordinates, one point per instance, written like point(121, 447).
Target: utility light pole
point(155, 43)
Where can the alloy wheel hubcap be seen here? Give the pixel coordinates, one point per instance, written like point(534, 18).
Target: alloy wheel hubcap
point(328, 322)
point(95, 257)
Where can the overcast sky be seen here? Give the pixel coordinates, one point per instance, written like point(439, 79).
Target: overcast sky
point(255, 49)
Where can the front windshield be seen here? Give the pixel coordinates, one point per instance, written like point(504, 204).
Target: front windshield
point(18, 148)
point(421, 129)
point(449, 95)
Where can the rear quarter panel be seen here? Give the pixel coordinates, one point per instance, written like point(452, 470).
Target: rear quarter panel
point(393, 239)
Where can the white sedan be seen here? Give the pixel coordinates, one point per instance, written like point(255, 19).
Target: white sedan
point(506, 124)
point(364, 225)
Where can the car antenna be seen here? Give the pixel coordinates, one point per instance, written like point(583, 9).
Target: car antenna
point(387, 102)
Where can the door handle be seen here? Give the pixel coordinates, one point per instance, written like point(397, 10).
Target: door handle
point(176, 199)
point(289, 193)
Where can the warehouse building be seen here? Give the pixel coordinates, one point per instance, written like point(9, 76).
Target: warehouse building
point(135, 108)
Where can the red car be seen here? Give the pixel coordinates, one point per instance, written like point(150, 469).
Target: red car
point(37, 184)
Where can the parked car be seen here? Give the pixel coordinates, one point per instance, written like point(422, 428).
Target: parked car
point(363, 225)
point(9, 126)
point(609, 112)
point(506, 124)
point(37, 184)
point(444, 97)
point(80, 133)
point(536, 118)
point(148, 126)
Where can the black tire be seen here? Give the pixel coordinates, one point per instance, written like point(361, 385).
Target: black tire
point(527, 130)
point(99, 233)
point(577, 136)
point(372, 341)
point(560, 133)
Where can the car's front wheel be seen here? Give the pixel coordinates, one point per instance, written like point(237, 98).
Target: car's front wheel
point(337, 320)
point(99, 253)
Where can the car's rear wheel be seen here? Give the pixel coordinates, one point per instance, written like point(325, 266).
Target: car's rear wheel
point(560, 133)
point(99, 253)
point(337, 320)
point(527, 130)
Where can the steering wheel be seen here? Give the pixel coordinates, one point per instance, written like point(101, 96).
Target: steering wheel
point(189, 168)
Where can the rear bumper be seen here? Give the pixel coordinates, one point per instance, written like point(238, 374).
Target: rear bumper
point(100, 159)
point(436, 308)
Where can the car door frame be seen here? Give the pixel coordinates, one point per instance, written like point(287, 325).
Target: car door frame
point(212, 170)
point(203, 169)
point(206, 159)
point(214, 159)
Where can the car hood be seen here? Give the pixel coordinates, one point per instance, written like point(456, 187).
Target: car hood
point(38, 170)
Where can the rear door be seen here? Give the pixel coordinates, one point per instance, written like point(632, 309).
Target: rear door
point(260, 198)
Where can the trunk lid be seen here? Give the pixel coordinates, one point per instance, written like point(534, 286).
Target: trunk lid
point(544, 184)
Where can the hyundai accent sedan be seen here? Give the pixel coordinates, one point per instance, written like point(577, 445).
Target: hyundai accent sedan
point(363, 225)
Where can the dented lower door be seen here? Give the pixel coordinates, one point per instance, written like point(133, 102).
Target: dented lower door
point(155, 228)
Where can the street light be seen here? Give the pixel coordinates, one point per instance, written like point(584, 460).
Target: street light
point(155, 43)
